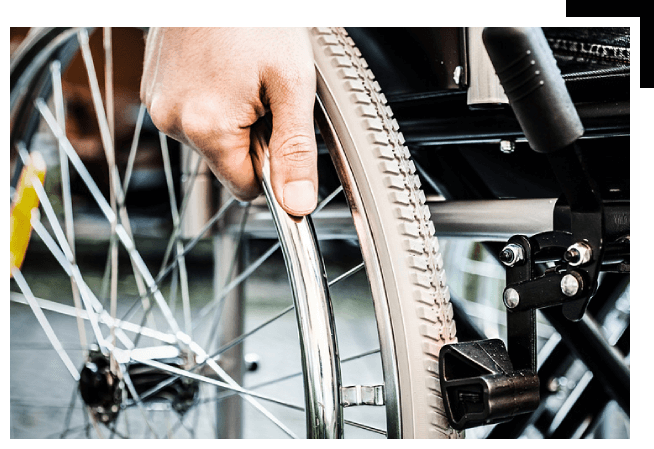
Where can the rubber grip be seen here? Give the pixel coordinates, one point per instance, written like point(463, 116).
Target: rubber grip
point(533, 83)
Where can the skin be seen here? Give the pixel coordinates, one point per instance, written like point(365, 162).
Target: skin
point(206, 87)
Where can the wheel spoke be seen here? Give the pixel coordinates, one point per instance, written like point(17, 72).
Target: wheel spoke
point(58, 98)
point(177, 229)
point(105, 131)
point(254, 265)
point(242, 337)
point(123, 235)
point(228, 386)
point(132, 151)
point(115, 192)
point(162, 275)
point(69, 413)
point(143, 293)
point(104, 318)
point(91, 303)
point(181, 264)
point(73, 157)
point(228, 383)
point(217, 216)
point(234, 262)
point(89, 300)
point(249, 398)
point(105, 123)
point(44, 323)
point(129, 245)
point(63, 255)
point(135, 395)
point(240, 278)
point(364, 427)
point(291, 376)
point(109, 81)
point(94, 423)
point(180, 423)
point(346, 275)
point(327, 199)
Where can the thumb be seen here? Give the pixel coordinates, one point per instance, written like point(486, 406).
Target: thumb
point(294, 173)
point(293, 153)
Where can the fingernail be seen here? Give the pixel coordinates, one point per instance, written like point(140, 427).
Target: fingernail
point(300, 197)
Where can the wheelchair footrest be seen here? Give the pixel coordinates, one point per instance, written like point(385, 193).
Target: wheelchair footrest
point(480, 386)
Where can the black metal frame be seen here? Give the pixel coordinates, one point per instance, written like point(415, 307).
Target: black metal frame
point(446, 137)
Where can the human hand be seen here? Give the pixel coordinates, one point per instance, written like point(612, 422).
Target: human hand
point(207, 86)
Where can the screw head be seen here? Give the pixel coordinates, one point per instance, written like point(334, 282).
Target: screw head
point(511, 298)
point(570, 284)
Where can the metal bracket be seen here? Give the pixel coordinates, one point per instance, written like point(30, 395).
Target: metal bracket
point(482, 382)
point(362, 395)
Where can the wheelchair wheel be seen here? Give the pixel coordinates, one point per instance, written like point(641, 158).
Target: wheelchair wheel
point(121, 358)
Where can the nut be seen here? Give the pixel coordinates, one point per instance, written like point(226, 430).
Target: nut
point(578, 254)
point(512, 254)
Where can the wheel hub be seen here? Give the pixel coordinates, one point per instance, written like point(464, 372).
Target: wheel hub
point(102, 390)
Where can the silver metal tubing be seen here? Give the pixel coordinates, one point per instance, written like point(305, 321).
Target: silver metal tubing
point(196, 185)
point(322, 374)
point(229, 315)
point(485, 88)
point(492, 219)
point(478, 219)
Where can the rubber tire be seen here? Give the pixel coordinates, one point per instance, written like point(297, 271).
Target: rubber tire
point(417, 297)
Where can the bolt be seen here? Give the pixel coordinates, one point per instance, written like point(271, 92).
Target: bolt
point(578, 254)
point(571, 284)
point(572, 255)
point(507, 146)
point(511, 298)
point(512, 254)
point(458, 71)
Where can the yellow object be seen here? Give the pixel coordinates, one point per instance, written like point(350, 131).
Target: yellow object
point(25, 201)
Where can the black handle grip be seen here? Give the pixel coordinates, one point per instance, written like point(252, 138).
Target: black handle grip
point(533, 83)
